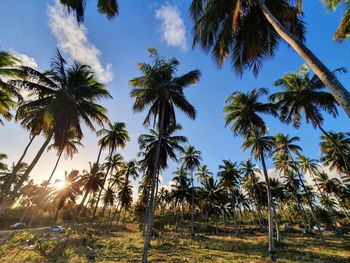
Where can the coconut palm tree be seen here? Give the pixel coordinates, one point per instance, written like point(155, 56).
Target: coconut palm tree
point(249, 31)
point(181, 191)
point(261, 147)
point(63, 97)
point(303, 95)
point(285, 146)
point(191, 160)
point(108, 8)
point(330, 154)
point(343, 29)
point(8, 93)
point(159, 90)
point(69, 192)
point(116, 136)
point(92, 181)
point(230, 177)
point(203, 173)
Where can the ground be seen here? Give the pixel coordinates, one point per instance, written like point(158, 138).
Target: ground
point(126, 244)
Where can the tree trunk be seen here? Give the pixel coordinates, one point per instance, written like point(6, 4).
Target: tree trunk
point(308, 196)
point(192, 206)
point(150, 214)
point(99, 196)
point(7, 186)
point(278, 234)
point(99, 154)
point(26, 174)
point(56, 216)
point(341, 95)
point(272, 251)
point(81, 205)
point(114, 214)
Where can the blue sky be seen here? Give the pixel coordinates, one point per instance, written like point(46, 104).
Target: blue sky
point(115, 47)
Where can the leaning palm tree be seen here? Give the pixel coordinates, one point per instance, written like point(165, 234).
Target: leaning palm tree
point(116, 136)
point(242, 112)
point(159, 90)
point(63, 97)
point(303, 95)
point(343, 30)
point(108, 8)
point(191, 160)
point(330, 154)
point(249, 31)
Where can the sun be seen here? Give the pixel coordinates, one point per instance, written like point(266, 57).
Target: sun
point(60, 185)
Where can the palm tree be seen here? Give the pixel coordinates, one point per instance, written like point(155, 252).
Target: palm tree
point(116, 136)
point(230, 177)
point(343, 29)
point(191, 160)
point(304, 95)
point(285, 146)
point(92, 182)
point(261, 147)
point(160, 91)
point(242, 112)
point(203, 173)
point(3, 166)
point(181, 190)
point(69, 192)
point(211, 196)
point(108, 8)
point(249, 31)
point(7, 91)
point(330, 154)
point(64, 97)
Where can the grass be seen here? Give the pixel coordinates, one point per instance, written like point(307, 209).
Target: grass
point(126, 245)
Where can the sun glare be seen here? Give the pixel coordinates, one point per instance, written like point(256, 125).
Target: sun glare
point(60, 185)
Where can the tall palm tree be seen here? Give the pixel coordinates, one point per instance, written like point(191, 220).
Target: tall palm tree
point(116, 136)
point(304, 95)
point(159, 90)
point(92, 181)
point(230, 177)
point(343, 30)
point(203, 173)
point(69, 192)
point(249, 31)
point(64, 97)
point(285, 146)
point(191, 160)
point(108, 8)
point(330, 154)
point(261, 147)
point(242, 112)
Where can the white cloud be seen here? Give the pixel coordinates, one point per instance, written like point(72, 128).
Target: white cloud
point(25, 60)
point(172, 26)
point(73, 39)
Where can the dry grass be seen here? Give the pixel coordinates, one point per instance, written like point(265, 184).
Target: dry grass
point(126, 246)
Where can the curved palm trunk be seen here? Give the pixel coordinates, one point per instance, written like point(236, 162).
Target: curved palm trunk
point(272, 251)
point(26, 174)
point(192, 206)
point(341, 95)
point(150, 214)
point(6, 188)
